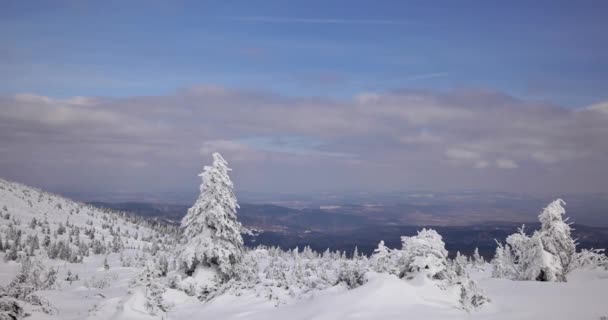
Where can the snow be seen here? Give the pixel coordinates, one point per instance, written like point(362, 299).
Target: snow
point(290, 285)
point(385, 296)
point(582, 297)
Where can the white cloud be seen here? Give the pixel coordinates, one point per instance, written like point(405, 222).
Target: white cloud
point(601, 107)
point(462, 154)
point(481, 164)
point(407, 137)
point(506, 164)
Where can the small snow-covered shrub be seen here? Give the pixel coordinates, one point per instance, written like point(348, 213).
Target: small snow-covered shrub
point(151, 281)
point(424, 253)
point(33, 276)
point(471, 296)
point(590, 258)
point(203, 283)
point(352, 271)
point(101, 282)
point(383, 260)
point(10, 308)
point(71, 277)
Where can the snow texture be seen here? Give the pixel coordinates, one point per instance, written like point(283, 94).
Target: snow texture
point(65, 260)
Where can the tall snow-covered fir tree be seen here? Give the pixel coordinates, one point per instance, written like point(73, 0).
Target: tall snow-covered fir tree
point(211, 228)
point(555, 236)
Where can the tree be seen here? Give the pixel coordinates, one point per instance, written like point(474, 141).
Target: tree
point(478, 260)
point(524, 258)
point(424, 253)
point(381, 259)
point(163, 265)
point(149, 280)
point(556, 238)
point(459, 263)
point(471, 296)
point(211, 227)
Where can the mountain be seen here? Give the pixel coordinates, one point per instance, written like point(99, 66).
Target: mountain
point(348, 226)
point(66, 247)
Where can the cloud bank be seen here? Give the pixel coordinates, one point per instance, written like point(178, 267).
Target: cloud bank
point(380, 141)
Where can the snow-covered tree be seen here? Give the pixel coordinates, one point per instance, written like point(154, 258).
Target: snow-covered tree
point(548, 255)
point(502, 264)
point(459, 263)
point(478, 260)
point(524, 258)
point(556, 238)
point(590, 258)
point(424, 253)
point(149, 279)
point(211, 228)
point(471, 296)
point(352, 271)
point(106, 265)
point(381, 260)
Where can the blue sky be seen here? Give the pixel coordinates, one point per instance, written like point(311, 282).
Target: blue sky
point(305, 95)
point(544, 50)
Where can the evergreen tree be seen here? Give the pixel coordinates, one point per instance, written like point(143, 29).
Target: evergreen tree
point(381, 259)
point(210, 226)
point(478, 260)
point(556, 238)
point(425, 253)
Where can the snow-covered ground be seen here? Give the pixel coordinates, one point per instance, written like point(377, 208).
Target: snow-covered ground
point(387, 297)
point(382, 297)
point(109, 285)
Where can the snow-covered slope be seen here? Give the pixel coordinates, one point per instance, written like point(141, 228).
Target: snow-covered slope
point(20, 205)
point(387, 297)
point(62, 258)
point(121, 267)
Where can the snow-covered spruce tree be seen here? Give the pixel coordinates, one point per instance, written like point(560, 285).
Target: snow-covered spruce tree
point(210, 227)
point(502, 263)
point(477, 259)
point(150, 282)
point(524, 258)
point(548, 255)
point(352, 271)
point(556, 238)
point(382, 259)
point(424, 253)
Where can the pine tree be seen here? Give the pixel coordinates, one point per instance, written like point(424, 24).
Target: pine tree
point(524, 258)
point(211, 227)
point(381, 259)
point(425, 253)
point(478, 260)
point(556, 238)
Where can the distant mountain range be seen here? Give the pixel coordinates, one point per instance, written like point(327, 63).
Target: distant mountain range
point(345, 227)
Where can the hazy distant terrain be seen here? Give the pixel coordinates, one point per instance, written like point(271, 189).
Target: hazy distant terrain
point(465, 220)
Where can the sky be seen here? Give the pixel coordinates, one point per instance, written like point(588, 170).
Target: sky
point(305, 96)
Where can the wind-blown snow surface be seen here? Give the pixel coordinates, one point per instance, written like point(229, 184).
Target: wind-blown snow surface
point(387, 297)
point(101, 293)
